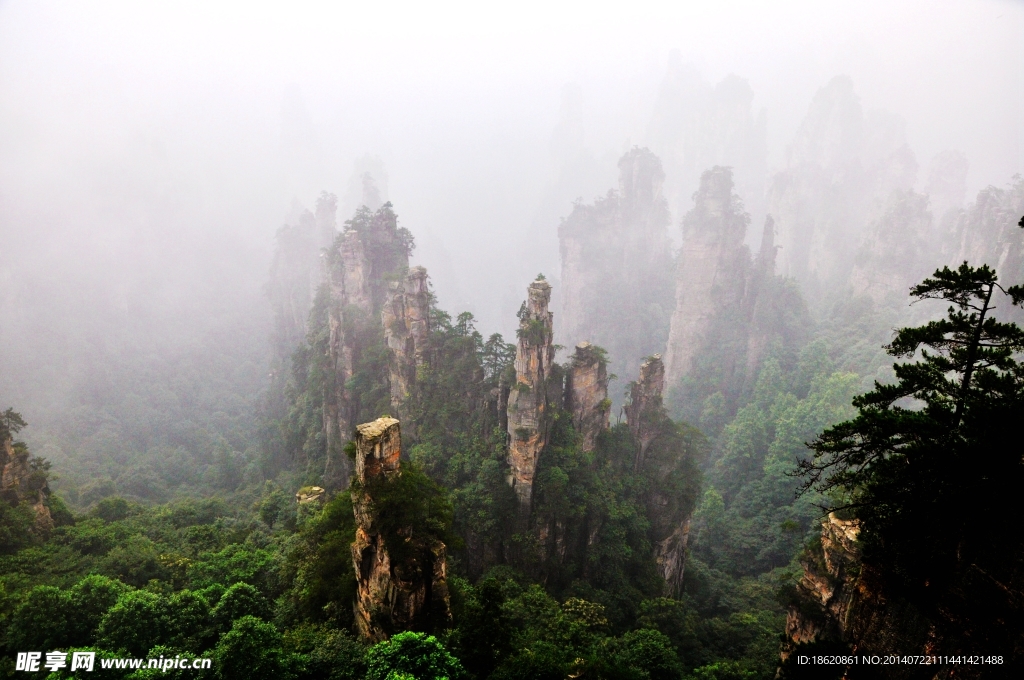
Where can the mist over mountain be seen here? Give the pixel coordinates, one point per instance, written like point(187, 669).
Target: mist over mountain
point(380, 321)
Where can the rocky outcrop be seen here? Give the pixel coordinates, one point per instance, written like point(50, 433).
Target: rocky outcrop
point(396, 589)
point(710, 269)
point(586, 393)
point(528, 398)
point(827, 583)
point(670, 556)
point(21, 481)
point(644, 410)
point(405, 317)
point(839, 601)
point(617, 289)
point(987, 231)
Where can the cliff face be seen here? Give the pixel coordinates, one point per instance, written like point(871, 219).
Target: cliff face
point(710, 270)
point(528, 398)
point(395, 590)
point(617, 266)
point(21, 483)
point(586, 392)
point(405, 317)
point(840, 600)
point(987, 231)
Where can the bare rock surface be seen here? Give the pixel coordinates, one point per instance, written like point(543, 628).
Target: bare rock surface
point(396, 590)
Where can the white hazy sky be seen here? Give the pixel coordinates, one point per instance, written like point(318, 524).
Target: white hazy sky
point(137, 138)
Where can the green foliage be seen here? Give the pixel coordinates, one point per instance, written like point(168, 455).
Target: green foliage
point(646, 653)
point(11, 423)
point(327, 652)
point(406, 505)
point(320, 565)
point(42, 620)
point(90, 599)
point(252, 648)
point(925, 466)
point(135, 623)
point(112, 509)
point(241, 599)
point(16, 526)
point(415, 654)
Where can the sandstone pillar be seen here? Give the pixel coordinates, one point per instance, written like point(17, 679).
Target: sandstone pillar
point(528, 400)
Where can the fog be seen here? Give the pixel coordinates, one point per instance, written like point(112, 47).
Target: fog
point(149, 152)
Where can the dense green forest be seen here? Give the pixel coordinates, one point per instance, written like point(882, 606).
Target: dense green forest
point(233, 568)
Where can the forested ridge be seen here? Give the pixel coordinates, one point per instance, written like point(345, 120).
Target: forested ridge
point(664, 539)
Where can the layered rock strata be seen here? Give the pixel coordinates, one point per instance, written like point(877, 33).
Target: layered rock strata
point(528, 398)
point(405, 318)
point(644, 409)
point(394, 592)
point(586, 391)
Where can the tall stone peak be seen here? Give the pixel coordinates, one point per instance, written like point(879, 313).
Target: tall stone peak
point(395, 590)
point(768, 251)
point(586, 392)
point(832, 133)
point(528, 399)
point(717, 212)
point(355, 271)
point(698, 124)
point(640, 182)
point(710, 269)
point(405, 317)
point(617, 289)
point(326, 219)
point(644, 408)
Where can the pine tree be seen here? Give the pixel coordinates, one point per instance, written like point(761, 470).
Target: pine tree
point(932, 464)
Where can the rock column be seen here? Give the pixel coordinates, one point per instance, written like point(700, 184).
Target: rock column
point(405, 319)
point(393, 592)
point(644, 407)
point(587, 393)
point(710, 268)
point(528, 401)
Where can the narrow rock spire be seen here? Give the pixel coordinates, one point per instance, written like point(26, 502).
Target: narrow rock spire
point(528, 399)
point(405, 319)
point(586, 392)
point(394, 592)
point(644, 405)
